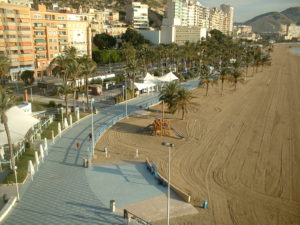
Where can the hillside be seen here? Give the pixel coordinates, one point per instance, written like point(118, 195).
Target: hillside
point(272, 21)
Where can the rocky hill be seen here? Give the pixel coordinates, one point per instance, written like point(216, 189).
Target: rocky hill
point(272, 21)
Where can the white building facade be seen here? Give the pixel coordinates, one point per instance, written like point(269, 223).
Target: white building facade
point(137, 15)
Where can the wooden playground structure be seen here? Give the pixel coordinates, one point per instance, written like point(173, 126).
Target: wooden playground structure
point(162, 127)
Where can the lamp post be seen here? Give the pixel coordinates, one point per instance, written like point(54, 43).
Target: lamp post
point(169, 145)
point(92, 111)
point(17, 185)
point(126, 114)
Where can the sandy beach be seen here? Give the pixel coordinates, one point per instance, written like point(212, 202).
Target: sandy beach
point(241, 151)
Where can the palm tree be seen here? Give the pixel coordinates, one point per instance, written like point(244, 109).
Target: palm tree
point(88, 69)
point(132, 67)
point(59, 65)
point(169, 94)
point(183, 99)
point(223, 74)
point(71, 52)
point(73, 70)
point(4, 67)
point(65, 89)
point(206, 76)
point(143, 54)
point(236, 74)
point(7, 100)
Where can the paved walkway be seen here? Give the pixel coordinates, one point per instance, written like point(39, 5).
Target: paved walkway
point(60, 192)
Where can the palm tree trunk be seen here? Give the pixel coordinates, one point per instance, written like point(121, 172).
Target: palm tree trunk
point(222, 86)
point(182, 108)
point(74, 99)
point(235, 82)
point(206, 88)
point(5, 123)
point(67, 105)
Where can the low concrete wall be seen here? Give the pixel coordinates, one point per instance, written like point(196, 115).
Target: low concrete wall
point(7, 207)
point(185, 196)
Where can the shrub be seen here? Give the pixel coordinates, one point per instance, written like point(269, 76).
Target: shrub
point(52, 104)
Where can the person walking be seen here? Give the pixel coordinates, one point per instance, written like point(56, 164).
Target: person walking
point(77, 145)
point(90, 136)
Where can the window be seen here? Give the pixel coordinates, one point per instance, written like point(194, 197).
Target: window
point(61, 18)
point(39, 40)
point(36, 16)
point(38, 24)
point(38, 33)
point(49, 17)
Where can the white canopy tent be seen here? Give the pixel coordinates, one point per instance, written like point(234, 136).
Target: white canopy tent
point(150, 78)
point(142, 86)
point(18, 123)
point(169, 77)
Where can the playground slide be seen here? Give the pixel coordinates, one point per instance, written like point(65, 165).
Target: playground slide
point(177, 134)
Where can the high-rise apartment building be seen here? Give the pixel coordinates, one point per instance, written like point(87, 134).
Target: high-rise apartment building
point(192, 13)
point(16, 38)
point(228, 10)
point(54, 31)
point(137, 15)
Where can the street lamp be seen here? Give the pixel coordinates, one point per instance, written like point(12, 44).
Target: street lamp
point(126, 114)
point(92, 111)
point(17, 185)
point(169, 145)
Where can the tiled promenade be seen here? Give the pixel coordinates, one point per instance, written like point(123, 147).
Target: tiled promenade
point(63, 192)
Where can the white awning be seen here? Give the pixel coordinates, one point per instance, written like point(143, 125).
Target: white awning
point(141, 86)
point(168, 77)
point(18, 123)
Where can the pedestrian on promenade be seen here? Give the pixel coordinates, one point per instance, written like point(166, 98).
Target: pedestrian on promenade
point(77, 145)
point(90, 136)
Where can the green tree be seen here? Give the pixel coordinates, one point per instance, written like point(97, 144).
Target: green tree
point(104, 41)
point(133, 37)
point(169, 94)
point(7, 100)
point(27, 77)
point(4, 67)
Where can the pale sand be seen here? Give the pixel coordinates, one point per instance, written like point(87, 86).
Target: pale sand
point(241, 151)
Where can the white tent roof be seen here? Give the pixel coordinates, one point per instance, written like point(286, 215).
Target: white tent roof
point(168, 77)
point(150, 78)
point(141, 86)
point(18, 123)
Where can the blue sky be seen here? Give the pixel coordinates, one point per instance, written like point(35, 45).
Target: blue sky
point(247, 9)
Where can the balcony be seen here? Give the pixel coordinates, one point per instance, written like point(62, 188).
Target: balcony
point(25, 39)
point(25, 47)
point(15, 63)
point(25, 32)
point(13, 56)
point(27, 62)
point(11, 23)
point(11, 40)
point(12, 47)
point(11, 32)
point(23, 16)
point(10, 15)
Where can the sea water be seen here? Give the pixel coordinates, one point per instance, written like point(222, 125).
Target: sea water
point(296, 50)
